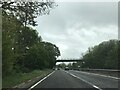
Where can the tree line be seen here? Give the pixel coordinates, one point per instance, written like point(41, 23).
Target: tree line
point(102, 56)
point(22, 47)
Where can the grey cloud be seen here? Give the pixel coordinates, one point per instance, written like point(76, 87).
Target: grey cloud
point(74, 27)
point(101, 13)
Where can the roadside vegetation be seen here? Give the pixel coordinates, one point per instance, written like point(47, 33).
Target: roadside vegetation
point(102, 56)
point(24, 54)
point(18, 78)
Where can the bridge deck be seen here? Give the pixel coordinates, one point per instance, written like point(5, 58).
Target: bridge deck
point(69, 60)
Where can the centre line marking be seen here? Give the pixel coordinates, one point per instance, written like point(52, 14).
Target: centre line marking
point(98, 75)
point(85, 81)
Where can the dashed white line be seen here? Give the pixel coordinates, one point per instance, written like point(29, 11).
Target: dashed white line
point(96, 87)
point(84, 81)
point(40, 81)
point(98, 75)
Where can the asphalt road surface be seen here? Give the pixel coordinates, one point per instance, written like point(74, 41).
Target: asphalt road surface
point(76, 79)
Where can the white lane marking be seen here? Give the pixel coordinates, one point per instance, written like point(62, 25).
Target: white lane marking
point(84, 81)
point(98, 75)
point(40, 81)
point(96, 87)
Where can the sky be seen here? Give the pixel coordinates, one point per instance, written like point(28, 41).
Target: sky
point(76, 26)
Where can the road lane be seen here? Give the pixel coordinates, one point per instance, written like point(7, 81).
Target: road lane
point(100, 81)
point(76, 79)
point(61, 79)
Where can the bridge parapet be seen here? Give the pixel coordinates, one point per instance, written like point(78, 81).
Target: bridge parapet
point(70, 60)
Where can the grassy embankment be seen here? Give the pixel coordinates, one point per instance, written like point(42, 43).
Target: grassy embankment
point(17, 78)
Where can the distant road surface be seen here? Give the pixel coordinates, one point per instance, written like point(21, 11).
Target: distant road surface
point(76, 79)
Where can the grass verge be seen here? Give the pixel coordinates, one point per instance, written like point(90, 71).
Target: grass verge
point(17, 78)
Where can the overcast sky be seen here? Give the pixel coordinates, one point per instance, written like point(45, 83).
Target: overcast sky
point(75, 26)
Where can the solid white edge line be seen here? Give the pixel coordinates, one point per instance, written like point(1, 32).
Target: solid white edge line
point(98, 74)
point(41, 80)
point(84, 81)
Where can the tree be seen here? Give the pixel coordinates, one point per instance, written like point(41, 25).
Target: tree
point(118, 51)
point(26, 12)
point(53, 53)
point(69, 65)
point(112, 59)
point(36, 58)
point(62, 65)
point(41, 55)
point(27, 38)
point(104, 55)
point(8, 38)
point(7, 56)
point(23, 49)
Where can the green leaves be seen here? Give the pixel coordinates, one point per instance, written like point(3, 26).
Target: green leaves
point(104, 55)
point(9, 36)
point(23, 49)
point(26, 12)
point(40, 56)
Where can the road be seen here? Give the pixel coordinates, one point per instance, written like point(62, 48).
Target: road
point(76, 79)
